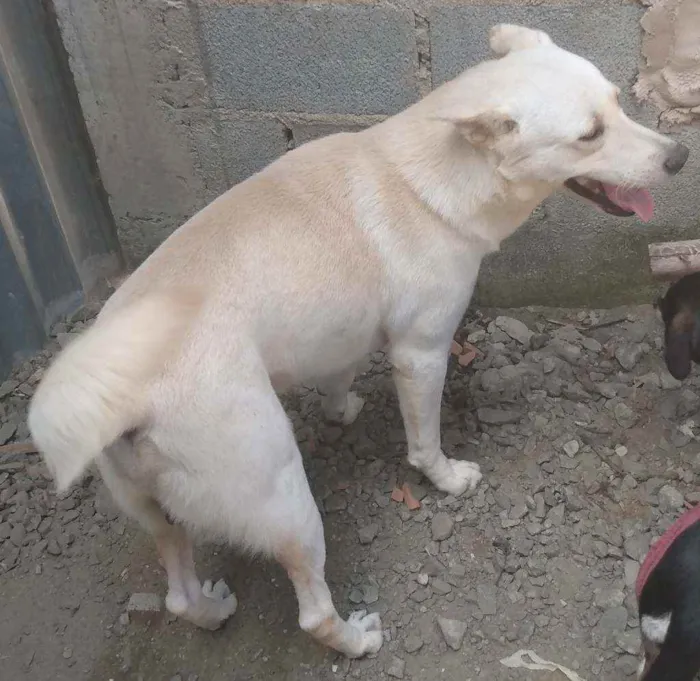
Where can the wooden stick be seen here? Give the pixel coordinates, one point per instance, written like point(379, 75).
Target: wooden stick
point(15, 448)
point(674, 259)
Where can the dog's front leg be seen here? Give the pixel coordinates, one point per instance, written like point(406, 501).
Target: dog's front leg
point(419, 374)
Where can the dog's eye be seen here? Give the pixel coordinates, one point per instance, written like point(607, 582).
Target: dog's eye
point(593, 134)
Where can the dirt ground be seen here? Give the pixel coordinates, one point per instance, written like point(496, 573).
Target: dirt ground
point(588, 450)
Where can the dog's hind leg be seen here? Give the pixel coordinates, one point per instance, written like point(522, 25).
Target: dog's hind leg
point(287, 520)
point(339, 403)
point(303, 555)
point(207, 606)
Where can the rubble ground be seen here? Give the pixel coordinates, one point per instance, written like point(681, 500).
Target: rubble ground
point(588, 450)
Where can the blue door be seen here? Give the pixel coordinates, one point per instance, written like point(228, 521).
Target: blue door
point(57, 236)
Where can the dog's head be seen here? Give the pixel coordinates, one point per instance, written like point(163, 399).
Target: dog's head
point(551, 117)
point(680, 311)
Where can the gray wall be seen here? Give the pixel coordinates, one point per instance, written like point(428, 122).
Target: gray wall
point(185, 97)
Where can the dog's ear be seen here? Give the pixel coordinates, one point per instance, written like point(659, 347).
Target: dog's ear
point(505, 38)
point(680, 333)
point(484, 129)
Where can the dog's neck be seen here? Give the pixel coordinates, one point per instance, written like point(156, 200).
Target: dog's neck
point(459, 183)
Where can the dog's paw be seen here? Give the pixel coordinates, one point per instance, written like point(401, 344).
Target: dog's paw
point(353, 408)
point(347, 414)
point(218, 591)
point(219, 604)
point(370, 627)
point(462, 475)
point(208, 610)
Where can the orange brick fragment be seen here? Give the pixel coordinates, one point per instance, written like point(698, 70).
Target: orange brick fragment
point(411, 502)
point(467, 358)
point(397, 495)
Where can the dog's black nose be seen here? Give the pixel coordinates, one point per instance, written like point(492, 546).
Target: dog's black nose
point(676, 159)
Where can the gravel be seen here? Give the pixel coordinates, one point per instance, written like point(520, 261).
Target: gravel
point(588, 451)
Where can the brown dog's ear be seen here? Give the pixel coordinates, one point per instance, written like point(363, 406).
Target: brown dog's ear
point(484, 129)
point(679, 344)
point(505, 38)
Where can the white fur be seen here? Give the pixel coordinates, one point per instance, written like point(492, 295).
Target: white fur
point(97, 390)
point(345, 245)
point(656, 628)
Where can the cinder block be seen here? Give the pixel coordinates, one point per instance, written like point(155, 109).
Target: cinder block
point(607, 34)
point(247, 146)
point(356, 59)
point(306, 132)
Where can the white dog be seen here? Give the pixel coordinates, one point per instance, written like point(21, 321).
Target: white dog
point(343, 246)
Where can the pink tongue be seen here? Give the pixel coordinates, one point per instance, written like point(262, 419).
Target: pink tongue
point(640, 201)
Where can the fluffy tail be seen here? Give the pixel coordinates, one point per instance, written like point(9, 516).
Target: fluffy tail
point(97, 388)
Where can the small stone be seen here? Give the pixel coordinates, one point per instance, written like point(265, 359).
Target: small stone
point(412, 643)
point(396, 668)
point(621, 450)
point(486, 599)
point(629, 642)
point(17, 535)
point(670, 499)
point(497, 417)
point(421, 595)
point(53, 548)
point(624, 415)
point(6, 387)
point(668, 382)
point(44, 526)
point(538, 341)
point(335, 503)
point(591, 344)
point(631, 572)
point(423, 579)
point(572, 447)
point(370, 594)
point(356, 596)
point(609, 598)
point(629, 355)
point(442, 526)
point(144, 602)
point(609, 626)
point(637, 546)
point(368, 533)
point(566, 351)
point(556, 515)
point(332, 434)
point(515, 329)
point(452, 631)
point(70, 516)
point(10, 559)
point(549, 364)
point(627, 665)
point(441, 587)
point(124, 619)
point(67, 653)
point(6, 432)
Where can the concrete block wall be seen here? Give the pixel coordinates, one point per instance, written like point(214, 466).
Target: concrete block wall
point(184, 98)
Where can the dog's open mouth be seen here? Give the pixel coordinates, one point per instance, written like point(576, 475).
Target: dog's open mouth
point(614, 199)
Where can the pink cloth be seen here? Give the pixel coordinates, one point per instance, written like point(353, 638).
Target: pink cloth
point(658, 549)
